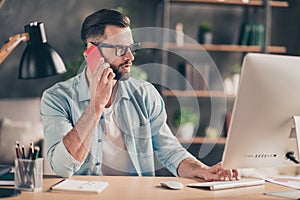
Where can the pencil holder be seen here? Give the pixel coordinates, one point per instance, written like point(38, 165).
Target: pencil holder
point(29, 174)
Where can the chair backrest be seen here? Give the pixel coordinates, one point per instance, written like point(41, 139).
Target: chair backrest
point(20, 121)
point(23, 109)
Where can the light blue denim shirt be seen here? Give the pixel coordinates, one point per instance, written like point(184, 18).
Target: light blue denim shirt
point(141, 117)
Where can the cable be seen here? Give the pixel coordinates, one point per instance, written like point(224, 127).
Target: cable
point(290, 156)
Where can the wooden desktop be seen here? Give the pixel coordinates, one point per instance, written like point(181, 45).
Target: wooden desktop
point(121, 187)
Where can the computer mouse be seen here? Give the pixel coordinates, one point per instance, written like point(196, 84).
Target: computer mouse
point(174, 185)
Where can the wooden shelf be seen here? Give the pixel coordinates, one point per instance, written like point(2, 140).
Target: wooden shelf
point(216, 47)
point(204, 140)
point(150, 45)
point(229, 48)
point(236, 2)
point(198, 93)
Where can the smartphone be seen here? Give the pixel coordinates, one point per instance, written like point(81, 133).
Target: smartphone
point(92, 56)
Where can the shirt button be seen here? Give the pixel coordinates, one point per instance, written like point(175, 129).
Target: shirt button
point(97, 164)
point(99, 140)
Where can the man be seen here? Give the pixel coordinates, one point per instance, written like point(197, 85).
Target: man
point(105, 123)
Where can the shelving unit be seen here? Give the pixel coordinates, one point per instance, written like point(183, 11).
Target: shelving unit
point(267, 5)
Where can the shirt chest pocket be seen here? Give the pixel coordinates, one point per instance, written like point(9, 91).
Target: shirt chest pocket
point(131, 120)
point(142, 131)
point(143, 138)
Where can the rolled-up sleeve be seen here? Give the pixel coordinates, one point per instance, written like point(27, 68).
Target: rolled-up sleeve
point(62, 162)
point(56, 125)
point(168, 149)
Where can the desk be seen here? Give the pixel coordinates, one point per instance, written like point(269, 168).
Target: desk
point(123, 188)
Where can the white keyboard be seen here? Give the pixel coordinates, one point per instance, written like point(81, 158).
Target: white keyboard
point(220, 185)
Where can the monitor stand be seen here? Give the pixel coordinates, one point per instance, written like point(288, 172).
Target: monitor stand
point(296, 120)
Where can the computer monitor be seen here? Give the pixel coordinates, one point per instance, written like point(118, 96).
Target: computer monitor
point(261, 130)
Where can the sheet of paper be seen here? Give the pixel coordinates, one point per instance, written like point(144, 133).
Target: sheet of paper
point(288, 181)
point(290, 194)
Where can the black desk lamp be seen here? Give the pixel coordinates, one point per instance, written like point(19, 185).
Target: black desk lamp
point(39, 59)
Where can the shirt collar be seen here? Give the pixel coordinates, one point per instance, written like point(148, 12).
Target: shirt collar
point(82, 87)
point(123, 91)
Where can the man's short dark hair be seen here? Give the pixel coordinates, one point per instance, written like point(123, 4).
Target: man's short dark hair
point(94, 25)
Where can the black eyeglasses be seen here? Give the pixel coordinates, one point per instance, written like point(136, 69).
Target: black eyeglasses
point(120, 50)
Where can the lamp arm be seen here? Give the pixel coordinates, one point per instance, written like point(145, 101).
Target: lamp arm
point(12, 43)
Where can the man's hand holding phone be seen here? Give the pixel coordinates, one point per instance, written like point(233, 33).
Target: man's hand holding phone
point(100, 77)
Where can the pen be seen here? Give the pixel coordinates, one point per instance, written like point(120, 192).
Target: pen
point(56, 184)
point(32, 163)
point(36, 152)
point(23, 152)
point(22, 170)
point(18, 152)
point(31, 151)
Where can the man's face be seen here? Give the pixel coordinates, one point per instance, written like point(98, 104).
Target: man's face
point(114, 35)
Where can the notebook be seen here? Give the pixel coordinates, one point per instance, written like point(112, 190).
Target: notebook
point(7, 179)
point(80, 186)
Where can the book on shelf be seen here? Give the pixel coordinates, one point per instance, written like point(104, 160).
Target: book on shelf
point(198, 82)
point(252, 34)
point(189, 76)
point(182, 70)
point(245, 34)
point(196, 76)
point(257, 34)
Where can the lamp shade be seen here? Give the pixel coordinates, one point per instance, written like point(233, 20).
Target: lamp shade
point(39, 59)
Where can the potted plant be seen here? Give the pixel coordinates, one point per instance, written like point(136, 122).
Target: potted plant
point(185, 121)
point(205, 33)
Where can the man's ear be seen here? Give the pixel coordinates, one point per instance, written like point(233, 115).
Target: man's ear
point(88, 45)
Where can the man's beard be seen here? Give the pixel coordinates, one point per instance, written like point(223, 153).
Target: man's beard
point(121, 76)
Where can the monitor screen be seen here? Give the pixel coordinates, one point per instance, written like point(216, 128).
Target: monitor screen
point(261, 130)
